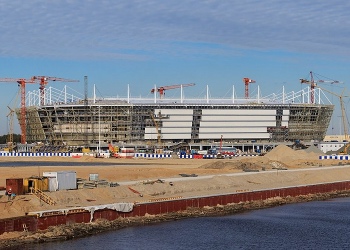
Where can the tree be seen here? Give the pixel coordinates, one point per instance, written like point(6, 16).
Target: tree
point(16, 138)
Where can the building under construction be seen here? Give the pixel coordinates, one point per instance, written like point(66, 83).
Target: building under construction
point(73, 120)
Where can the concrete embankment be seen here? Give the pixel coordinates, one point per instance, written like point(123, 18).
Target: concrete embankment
point(65, 232)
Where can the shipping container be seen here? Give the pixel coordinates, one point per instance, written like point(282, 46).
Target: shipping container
point(53, 184)
point(65, 180)
point(16, 186)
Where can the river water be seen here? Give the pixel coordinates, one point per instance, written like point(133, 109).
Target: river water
point(311, 225)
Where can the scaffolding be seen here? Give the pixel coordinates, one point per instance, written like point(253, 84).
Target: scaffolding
point(68, 121)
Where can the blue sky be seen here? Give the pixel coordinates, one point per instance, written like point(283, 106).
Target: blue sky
point(164, 42)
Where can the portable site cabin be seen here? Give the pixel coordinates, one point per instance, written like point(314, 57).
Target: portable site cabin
point(62, 180)
point(126, 153)
point(34, 182)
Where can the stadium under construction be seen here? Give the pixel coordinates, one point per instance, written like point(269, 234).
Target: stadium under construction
point(73, 120)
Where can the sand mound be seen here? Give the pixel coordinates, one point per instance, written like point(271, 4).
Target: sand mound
point(216, 165)
point(313, 149)
point(287, 155)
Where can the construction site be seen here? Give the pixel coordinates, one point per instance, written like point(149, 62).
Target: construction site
point(58, 192)
point(63, 120)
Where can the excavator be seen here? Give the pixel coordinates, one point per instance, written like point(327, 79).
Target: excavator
point(298, 145)
point(113, 149)
point(345, 149)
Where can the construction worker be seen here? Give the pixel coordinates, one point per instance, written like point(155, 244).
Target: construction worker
point(9, 193)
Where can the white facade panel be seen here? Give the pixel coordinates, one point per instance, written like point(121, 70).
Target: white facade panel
point(216, 124)
point(90, 128)
point(238, 118)
point(176, 130)
point(177, 124)
point(286, 112)
point(233, 130)
point(168, 133)
point(238, 112)
point(150, 130)
point(176, 136)
point(174, 111)
point(151, 136)
point(178, 118)
point(284, 124)
point(235, 135)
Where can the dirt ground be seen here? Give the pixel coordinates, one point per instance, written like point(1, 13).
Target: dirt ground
point(280, 167)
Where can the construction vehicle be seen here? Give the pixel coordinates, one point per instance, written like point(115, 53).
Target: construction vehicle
point(298, 145)
point(246, 81)
point(161, 90)
point(113, 149)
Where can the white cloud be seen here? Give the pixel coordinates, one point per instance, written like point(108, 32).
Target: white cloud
point(134, 29)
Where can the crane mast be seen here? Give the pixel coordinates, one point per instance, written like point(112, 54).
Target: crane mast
point(22, 84)
point(159, 136)
point(42, 80)
point(247, 81)
point(10, 135)
point(313, 85)
point(345, 127)
point(344, 119)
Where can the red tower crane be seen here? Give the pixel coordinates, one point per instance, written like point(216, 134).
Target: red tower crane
point(22, 84)
point(246, 83)
point(313, 84)
point(161, 90)
point(44, 81)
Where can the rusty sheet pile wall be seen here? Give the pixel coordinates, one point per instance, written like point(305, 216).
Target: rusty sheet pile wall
point(34, 223)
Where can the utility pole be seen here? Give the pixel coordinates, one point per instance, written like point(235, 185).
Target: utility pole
point(86, 106)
